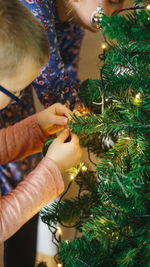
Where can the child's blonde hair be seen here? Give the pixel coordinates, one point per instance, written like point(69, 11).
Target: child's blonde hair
point(21, 36)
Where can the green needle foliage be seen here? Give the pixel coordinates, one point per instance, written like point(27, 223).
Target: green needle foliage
point(112, 209)
point(69, 212)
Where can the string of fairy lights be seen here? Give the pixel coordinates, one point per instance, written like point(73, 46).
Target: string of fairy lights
point(138, 96)
point(57, 231)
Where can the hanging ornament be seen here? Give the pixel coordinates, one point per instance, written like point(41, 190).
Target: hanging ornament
point(46, 145)
point(96, 18)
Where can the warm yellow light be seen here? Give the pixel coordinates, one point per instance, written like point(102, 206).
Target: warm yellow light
point(127, 138)
point(59, 230)
point(84, 168)
point(67, 241)
point(103, 46)
point(148, 7)
point(72, 177)
point(59, 265)
point(138, 96)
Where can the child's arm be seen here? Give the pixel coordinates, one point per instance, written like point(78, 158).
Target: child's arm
point(27, 137)
point(40, 186)
point(20, 140)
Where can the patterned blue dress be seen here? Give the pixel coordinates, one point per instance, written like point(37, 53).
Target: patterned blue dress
point(57, 82)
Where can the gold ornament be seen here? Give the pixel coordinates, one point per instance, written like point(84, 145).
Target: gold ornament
point(96, 18)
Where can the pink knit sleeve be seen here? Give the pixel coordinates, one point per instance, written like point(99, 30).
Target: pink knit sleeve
point(42, 185)
point(21, 140)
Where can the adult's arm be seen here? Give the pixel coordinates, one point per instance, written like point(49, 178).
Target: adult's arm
point(58, 80)
point(42, 185)
point(21, 140)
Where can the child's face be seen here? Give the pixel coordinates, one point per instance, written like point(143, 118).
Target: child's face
point(25, 75)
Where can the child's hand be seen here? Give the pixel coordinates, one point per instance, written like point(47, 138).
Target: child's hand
point(54, 118)
point(65, 155)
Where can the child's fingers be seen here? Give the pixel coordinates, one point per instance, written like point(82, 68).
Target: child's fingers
point(52, 129)
point(63, 136)
point(62, 110)
point(58, 120)
point(74, 138)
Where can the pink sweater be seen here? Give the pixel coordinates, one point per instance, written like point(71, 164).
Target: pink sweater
point(42, 185)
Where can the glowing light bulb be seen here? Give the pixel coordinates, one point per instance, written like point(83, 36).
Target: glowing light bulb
point(84, 168)
point(67, 241)
point(127, 138)
point(137, 101)
point(103, 46)
point(59, 265)
point(148, 7)
point(59, 230)
point(72, 177)
point(138, 96)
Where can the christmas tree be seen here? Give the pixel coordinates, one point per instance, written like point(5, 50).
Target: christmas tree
point(112, 209)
